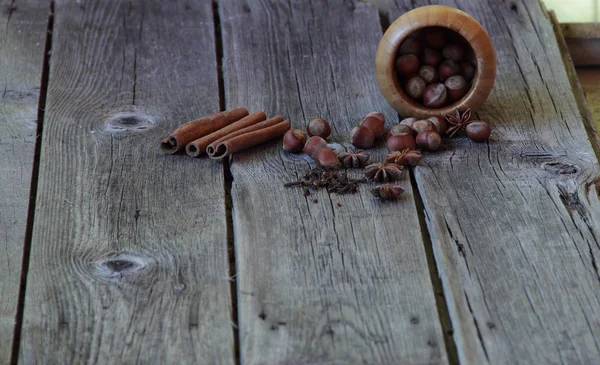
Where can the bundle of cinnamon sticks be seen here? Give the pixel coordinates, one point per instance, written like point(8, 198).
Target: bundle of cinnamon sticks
point(222, 134)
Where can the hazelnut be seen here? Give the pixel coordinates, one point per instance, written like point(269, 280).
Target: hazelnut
point(318, 127)
point(434, 96)
point(457, 87)
point(432, 57)
point(415, 86)
point(410, 46)
point(467, 70)
point(436, 37)
point(294, 140)
point(327, 158)
point(429, 74)
point(429, 140)
point(399, 129)
point(313, 145)
point(440, 123)
point(478, 131)
point(400, 142)
point(362, 137)
point(375, 125)
point(377, 115)
point(448, 68)
point(423, 125)
point(454, 52)
point(407, 64)
point(408, 121)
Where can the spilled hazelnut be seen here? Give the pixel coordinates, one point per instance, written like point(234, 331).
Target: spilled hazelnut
point(429, 140)
point(294, 140)
point(318, 127)
point(313, 145)
point(362, 137)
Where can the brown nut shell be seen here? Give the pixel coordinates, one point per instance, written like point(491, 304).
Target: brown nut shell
point(456, 87)
point(429, 74)
point(431, 57)
point(399, 129)
point(423, 125)
point(453, 51)
point(400, 142)
point(429, 140)
point(318, 127)
point(375, 125)
point(415, 86)
point(327, 158)
point(436, 37)
point(448, 68)
point(435, 96)
point(440, 123)
point(313, 145)
point(377, 115)
point(407, 64)
point(294, 140)
point(410, 46)
point(362, 137)
point(478, 131)
point(408, 121)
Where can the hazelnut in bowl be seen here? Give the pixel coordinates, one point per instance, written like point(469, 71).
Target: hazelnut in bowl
point(435, 59)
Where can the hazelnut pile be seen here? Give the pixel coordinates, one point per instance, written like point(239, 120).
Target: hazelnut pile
point(403, 140)
point(435, 66)
point(295, 141)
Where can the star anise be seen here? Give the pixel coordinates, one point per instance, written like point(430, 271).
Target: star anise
point(354, 158)
point(406, 157)
point(383, 171)
point(457, 121)
point(387, 191)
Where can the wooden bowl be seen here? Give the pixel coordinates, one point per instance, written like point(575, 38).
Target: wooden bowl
point(435, 16)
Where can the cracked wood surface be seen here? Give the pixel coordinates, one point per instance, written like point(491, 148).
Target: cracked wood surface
point(515, 222)
point(320, 282)
point(129, 256)
point(22, 37)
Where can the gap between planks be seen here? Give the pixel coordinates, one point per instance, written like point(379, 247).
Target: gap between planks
point(436, 282)
point(14, 356)
point(227, 184)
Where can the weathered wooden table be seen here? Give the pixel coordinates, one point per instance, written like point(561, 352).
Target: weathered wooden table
point(111, 252)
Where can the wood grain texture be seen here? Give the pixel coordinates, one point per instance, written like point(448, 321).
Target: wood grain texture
point(22, 37)
point(129, 254)
point(515, 222)
point(320, 282)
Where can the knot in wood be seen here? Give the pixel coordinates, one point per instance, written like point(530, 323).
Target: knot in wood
point(560, 168)
point(120, 265)
point(128, 122)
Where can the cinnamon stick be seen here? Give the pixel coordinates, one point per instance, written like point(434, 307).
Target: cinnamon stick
point(198, 147)
point(210, 149)
point(199, 128)
point(250, 139)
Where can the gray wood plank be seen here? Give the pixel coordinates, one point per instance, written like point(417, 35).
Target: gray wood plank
point(515, 222)
point(129, 256)
point(320, 283)
point(22, 38)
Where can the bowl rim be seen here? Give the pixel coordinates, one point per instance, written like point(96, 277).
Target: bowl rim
point(436, 16)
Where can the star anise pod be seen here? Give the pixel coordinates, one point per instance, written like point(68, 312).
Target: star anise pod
point(458, 121)
point(383, 171)
point(356, 158)
point(406, 157)
point(387, 191)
